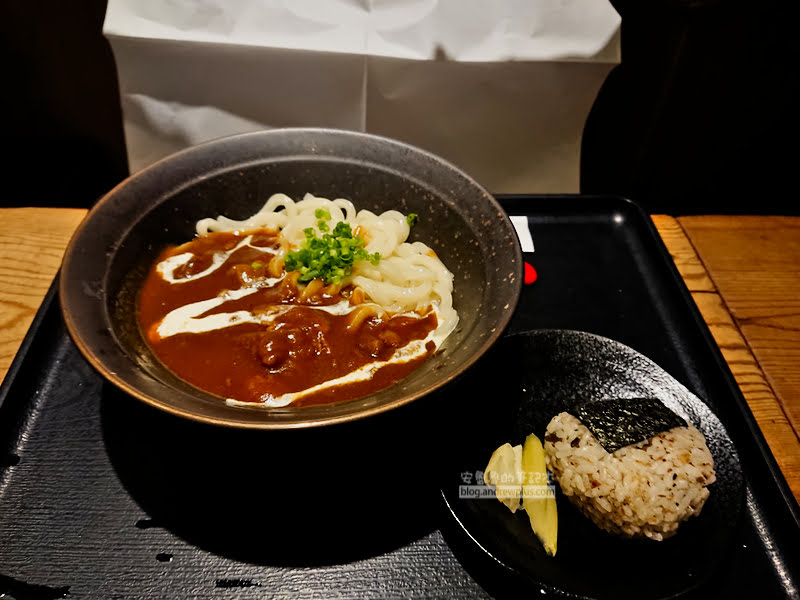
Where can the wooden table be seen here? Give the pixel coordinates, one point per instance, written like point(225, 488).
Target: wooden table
point(743, 273)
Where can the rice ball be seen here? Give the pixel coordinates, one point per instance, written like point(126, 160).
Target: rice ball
point(642, 490)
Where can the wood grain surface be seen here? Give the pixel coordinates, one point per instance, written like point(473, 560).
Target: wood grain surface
point(32, 243)
point(745, 282)
point(754, 264)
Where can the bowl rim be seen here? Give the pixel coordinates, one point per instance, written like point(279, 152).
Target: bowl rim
point(66, 286)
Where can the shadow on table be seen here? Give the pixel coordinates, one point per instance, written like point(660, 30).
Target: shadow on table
point(290, 498)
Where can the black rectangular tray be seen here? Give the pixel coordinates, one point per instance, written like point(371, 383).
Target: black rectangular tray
point(104, 497)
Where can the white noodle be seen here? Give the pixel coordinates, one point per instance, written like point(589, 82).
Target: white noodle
point(409, 276)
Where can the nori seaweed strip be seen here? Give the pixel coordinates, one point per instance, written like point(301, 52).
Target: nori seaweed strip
point(620, 422)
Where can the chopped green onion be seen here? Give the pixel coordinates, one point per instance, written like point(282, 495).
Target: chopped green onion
point(411, 219)
point(330, 257)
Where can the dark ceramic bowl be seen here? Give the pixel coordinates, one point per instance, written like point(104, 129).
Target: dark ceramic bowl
point(107, 257)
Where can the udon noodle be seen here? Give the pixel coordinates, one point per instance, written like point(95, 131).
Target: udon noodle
point(408, 277)
point(405, 295)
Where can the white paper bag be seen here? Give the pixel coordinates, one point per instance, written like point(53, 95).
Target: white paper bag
point(501, 88)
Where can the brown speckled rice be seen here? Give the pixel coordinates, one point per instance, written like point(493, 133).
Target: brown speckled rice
point(646, 489)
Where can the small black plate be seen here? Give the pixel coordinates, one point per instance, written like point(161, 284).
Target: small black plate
point(541, 373)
